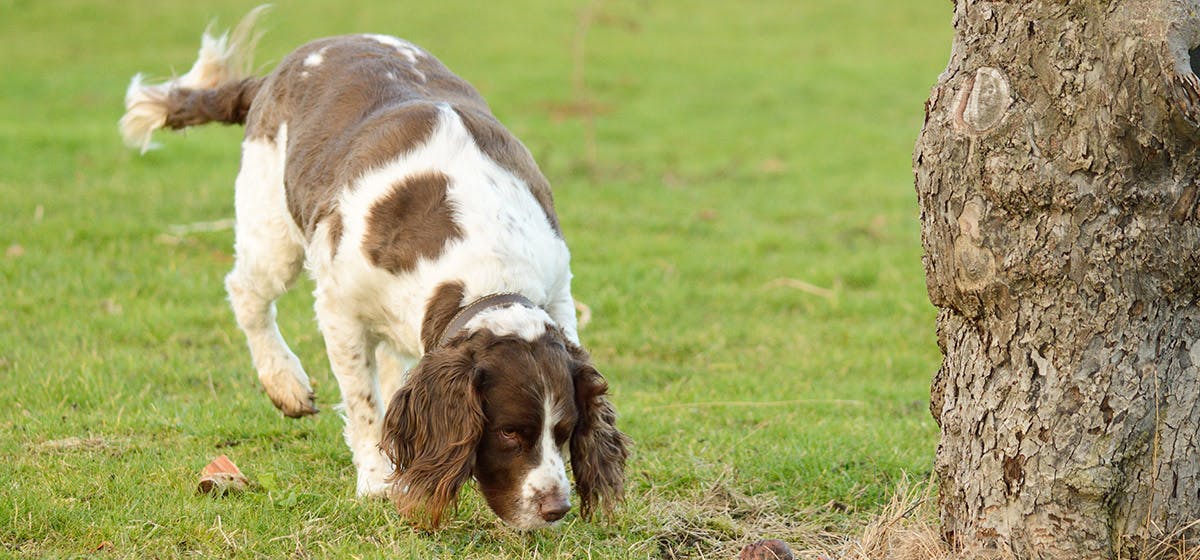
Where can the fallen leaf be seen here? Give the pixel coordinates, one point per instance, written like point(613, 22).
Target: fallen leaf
point(14, 251)
point(221, 477)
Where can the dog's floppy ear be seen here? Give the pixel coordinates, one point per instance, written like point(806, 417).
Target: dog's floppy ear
point(430, 433)
point(598, 448)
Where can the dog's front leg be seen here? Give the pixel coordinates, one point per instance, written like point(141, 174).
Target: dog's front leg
point(352, 358)
point(391, 368)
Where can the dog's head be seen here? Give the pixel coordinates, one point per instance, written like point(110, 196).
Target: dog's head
point(500, 407)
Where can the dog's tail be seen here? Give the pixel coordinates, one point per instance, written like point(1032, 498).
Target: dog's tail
point(218, 88)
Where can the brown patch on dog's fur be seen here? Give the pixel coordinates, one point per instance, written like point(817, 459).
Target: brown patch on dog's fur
point(440, 310)
point(414, 220)
point(508, 152)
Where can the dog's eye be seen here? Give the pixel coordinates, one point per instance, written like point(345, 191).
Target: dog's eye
point(509, 436)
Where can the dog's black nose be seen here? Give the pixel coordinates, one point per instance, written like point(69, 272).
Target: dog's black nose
point(552, 509)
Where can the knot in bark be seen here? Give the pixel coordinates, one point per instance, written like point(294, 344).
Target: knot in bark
point(975, 265)
point(983, 101)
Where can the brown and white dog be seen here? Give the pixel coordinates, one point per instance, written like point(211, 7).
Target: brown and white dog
point(443, 281)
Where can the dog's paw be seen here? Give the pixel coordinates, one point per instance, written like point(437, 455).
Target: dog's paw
point(374, 470)
point(369, 487)
point(295, 407)
point(288, 388)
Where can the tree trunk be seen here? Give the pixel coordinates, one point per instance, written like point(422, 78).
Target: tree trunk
point(1058, 179)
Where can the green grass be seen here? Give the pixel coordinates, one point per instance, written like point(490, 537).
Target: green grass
point(736, 144)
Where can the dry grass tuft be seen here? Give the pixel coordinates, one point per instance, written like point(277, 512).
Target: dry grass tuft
point(907, 529)
point(1182, 544)
point(723, 520)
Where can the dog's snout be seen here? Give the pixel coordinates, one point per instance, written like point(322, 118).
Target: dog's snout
point(552, 508)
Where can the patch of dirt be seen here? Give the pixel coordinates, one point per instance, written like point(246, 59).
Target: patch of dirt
point(80, 444)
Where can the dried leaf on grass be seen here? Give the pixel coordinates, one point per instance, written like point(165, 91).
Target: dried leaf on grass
point(221, 477)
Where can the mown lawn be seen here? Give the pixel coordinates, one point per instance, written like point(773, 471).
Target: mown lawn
point(733, 178)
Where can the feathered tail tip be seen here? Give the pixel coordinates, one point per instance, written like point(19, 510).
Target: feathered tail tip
point(222, 59)
point(226, 58)
point(145, 112)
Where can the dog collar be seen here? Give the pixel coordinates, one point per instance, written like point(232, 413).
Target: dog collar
point(478, 306)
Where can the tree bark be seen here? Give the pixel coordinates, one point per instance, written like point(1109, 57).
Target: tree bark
point(1058, 178)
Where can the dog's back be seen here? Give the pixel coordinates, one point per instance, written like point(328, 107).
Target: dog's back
point(350, 103)
point(356, 102)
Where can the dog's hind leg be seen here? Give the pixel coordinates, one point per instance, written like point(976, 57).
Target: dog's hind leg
point(270, 255)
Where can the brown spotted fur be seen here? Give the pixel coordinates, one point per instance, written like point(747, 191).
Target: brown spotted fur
point(345, 117)
point(413, 221)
